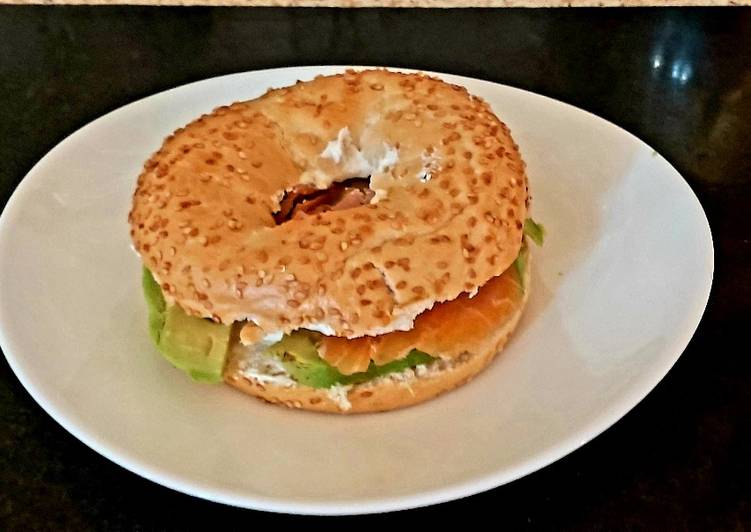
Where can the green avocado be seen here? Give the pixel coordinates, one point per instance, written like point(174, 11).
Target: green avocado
point(299, 355)
point(414, 358)
point(197, 346)
point(536, 232)
point(155, 303)
point(520, 264)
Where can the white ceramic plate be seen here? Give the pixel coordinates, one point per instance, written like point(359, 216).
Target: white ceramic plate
point(619, 288)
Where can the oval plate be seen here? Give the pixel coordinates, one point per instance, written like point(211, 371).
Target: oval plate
point(618, 290)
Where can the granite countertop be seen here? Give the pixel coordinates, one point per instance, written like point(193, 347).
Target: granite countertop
point(399, 3)
point(680, 79)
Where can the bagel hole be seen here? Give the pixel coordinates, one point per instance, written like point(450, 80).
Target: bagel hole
point(306, 200)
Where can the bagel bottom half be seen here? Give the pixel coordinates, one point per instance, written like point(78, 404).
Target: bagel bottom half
point(388, 392)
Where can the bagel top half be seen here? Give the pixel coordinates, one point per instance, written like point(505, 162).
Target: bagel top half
point(450, 196)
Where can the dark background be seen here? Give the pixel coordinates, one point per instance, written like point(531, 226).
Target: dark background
point(678, 78)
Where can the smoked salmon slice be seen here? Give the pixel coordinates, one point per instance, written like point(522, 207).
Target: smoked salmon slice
point(447, 330)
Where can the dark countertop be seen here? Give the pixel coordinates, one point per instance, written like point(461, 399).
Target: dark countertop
point(680, 79)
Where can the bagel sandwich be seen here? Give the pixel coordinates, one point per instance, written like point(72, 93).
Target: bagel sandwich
point(353, 243)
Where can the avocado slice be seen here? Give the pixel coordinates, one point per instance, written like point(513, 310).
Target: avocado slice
point(156, 304)
point(414, 358)
point(197, 346)
point(299, 355)
point(535, 231)
point(520, 264)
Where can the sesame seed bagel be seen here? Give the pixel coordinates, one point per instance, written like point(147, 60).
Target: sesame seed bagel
point(450, 196)
point(390, 392)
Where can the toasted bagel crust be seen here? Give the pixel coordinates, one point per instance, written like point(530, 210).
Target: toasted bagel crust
point(450, 189)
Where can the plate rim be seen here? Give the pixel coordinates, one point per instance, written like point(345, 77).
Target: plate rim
point(477, 484)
